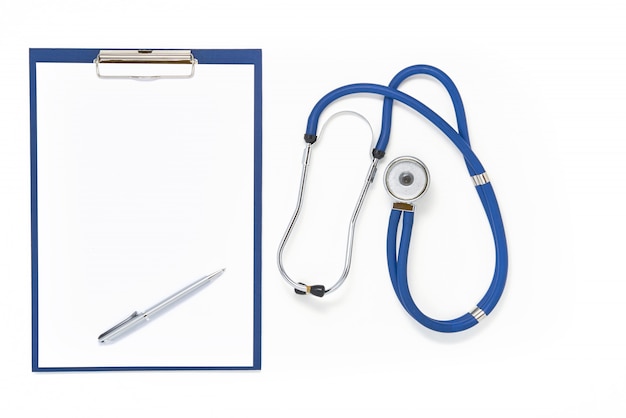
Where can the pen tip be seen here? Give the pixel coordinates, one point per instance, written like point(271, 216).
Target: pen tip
point(217, 273)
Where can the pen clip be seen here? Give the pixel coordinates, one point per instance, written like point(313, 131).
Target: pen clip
point(103, 337)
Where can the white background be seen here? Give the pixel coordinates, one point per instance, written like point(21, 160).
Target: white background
point(544, 90)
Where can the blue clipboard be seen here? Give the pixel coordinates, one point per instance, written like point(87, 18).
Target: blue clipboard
point(137, 189)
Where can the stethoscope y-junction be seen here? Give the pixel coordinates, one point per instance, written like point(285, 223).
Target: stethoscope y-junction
point(407, 179)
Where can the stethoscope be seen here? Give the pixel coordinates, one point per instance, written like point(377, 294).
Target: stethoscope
point(406, 179)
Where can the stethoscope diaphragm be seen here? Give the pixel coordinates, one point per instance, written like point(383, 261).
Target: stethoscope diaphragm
point(406, 179)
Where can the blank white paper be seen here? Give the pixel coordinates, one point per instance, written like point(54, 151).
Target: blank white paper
point(144, 187)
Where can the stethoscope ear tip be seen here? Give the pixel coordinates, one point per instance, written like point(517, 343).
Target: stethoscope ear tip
point(316, 290)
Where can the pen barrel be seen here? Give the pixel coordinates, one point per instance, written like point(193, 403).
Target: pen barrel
point(136, 319)
point(193, 287)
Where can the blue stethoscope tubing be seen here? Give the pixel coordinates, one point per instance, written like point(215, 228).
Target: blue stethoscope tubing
point(397, 255)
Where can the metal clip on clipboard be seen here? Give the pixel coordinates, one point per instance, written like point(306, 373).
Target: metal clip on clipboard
point(133, 64)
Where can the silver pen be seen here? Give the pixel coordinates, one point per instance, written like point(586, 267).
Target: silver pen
point(137, 318)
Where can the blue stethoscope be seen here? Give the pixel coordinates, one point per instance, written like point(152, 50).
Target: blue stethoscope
point(407, 179)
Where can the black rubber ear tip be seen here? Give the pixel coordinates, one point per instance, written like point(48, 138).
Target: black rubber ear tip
point(318, 290)
point(300, 292)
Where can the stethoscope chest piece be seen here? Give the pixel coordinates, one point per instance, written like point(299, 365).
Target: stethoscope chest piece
point(406, 179)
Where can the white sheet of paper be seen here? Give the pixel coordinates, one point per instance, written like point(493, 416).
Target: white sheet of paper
point(144, 187)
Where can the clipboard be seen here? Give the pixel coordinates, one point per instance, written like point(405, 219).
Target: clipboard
point(145, 175)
